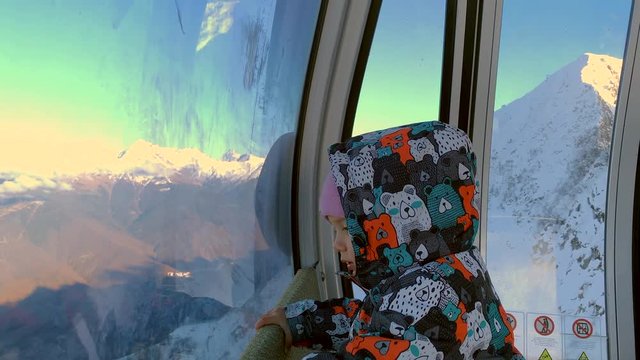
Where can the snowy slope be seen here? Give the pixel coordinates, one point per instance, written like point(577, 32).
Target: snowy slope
point(548, 176)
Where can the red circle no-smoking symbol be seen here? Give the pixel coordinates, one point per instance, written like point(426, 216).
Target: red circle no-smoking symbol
point(544, 325)
point(582, 328)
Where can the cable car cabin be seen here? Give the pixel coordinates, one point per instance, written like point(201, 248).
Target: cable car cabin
point(161, 163)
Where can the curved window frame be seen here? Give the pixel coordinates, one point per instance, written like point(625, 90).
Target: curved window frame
point(472, 39)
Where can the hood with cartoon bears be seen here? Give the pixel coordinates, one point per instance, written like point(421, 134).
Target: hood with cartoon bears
point(411, 204)
point(409, 196)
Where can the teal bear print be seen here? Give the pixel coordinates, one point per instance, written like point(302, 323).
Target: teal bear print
point(357, 144)
point(384, 151)
point(378, 208)
point(426, 126)
point(444, 204)
point(398, 257)
point(474, 223)
point(499, 330)
point(358, 325)
point(446, 269)
point(410, 334)
point(451, 311)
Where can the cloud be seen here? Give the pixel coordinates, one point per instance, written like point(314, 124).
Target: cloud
point(217, 20)
point(22, 183)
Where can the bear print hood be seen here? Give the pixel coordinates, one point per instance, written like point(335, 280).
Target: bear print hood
point(409, 196)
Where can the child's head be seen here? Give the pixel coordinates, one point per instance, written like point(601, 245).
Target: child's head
point(331, 209)
point(330, 204)
point(409, 195)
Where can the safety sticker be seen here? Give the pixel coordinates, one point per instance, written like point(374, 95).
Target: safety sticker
point(544, 325)
point(544, 336)
point(545, 355)
point(582, 338)
point(582, 328)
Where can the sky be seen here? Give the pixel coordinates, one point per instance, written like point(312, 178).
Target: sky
point(182, 74)
point(402, 79)
point(195, 75)
point(539, 37)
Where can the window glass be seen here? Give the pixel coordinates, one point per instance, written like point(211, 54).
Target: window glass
point(133, 136)
point(401, 83)
point(556, 93)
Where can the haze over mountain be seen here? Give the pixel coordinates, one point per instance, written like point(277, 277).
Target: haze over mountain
point(150, 206)
point(157, 239)
point(548, 181)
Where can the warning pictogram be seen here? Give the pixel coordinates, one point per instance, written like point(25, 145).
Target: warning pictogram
point(582, 328)
point(583, 356)
point(545, 355)
point(544, 325)
point(512, 321)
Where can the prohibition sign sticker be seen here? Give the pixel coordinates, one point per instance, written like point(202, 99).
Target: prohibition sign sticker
point(582, 328)
point(512, 321)
point(544, 325)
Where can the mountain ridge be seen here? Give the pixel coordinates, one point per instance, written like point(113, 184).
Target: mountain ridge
point(548, 179)
point(142, 162)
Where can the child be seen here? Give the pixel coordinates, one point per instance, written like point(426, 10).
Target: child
point(411, 203)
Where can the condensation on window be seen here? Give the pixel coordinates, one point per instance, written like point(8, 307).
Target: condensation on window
point(145, 156)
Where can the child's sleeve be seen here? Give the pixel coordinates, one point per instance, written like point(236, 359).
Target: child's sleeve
point(322, 324)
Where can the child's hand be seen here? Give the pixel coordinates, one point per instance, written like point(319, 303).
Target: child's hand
point(276, 316)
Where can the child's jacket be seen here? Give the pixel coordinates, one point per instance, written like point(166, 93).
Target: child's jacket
point(411, 202)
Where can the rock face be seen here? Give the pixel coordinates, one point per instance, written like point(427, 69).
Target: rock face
point(548, 181)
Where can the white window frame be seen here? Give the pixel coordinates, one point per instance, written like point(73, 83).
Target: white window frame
point(340, 39)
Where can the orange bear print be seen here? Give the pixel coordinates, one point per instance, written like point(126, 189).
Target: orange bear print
point(379, 347)
point(455, 263)
point(503, 314)
point(379, 231)
point(398, 141)
point(461, 325)
point(364, 318)
point(466, 193)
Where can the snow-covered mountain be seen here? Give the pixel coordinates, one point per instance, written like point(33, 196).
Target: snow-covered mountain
point(142, 162)
point(156, 239)
point(150, 205)
point(146, 159)
point(548, 181)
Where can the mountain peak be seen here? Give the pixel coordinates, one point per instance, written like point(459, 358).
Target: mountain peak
point(600, 73)
point(231, 155)
point(143, 157)
point(603, 73)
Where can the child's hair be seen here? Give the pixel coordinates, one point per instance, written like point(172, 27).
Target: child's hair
point(329, 198)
